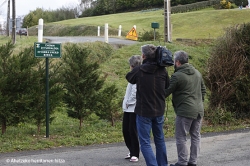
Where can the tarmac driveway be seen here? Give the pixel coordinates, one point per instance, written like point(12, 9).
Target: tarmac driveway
point(217, 149)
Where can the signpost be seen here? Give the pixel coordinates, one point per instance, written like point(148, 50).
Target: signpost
point(47, 50)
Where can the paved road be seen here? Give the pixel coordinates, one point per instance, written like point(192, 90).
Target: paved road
point(80, 39)
point(218, 149)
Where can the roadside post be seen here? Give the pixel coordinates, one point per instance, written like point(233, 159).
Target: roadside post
point(46, 50)
point(98, 31)
point(120, 31)
point(106, 33)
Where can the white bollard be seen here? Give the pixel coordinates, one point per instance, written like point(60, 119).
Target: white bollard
point(106, 33)
point(40, 30)
point(120, 30)
point(98, 31)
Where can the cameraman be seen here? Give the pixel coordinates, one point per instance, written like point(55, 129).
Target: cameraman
point(188, 91)
point(151, 81)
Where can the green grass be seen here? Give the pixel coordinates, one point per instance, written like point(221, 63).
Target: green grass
point(64, 131)
point(203, 24)
point(21, 42)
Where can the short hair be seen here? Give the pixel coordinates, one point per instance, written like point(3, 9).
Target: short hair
point(181, 56)
point(148, 50)
point(135, 60)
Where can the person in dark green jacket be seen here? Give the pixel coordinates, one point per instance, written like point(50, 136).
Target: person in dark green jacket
point(188, 91)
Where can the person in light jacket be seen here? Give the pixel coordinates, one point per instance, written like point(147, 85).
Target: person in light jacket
point(129, 117)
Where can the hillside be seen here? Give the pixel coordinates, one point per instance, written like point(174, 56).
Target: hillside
point(207, 23)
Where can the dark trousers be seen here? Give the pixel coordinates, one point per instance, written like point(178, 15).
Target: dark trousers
point(130, 133)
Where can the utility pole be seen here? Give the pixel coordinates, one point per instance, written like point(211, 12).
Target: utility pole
point(8, 19)
point(167, 21)
point(13, 22)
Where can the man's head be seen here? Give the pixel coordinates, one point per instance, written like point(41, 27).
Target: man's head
point(148, 51)
point(135, 60)
point(180, 58)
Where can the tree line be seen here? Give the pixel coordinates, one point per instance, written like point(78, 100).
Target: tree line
point(88, 8)
point(63, 13)
point(75, 83)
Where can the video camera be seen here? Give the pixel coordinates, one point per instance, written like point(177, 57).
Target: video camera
point(163, 57)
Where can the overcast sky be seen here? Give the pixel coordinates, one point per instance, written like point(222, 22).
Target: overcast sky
point(23, 7)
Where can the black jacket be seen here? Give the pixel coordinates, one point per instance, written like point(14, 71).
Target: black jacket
point(151, 81)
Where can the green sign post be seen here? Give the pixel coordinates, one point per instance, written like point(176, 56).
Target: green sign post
point(47, 50)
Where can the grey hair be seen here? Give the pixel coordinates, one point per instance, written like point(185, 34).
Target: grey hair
point(135, 60)
point(181, 56)
point(148, 50)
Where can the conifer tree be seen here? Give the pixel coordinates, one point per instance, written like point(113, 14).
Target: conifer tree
point(81, 80)
point(17, 79)
point(109, 104)
point(22, 87)
point(38, 104)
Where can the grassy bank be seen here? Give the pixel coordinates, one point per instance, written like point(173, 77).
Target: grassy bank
point(203, 24)
point(64, 131)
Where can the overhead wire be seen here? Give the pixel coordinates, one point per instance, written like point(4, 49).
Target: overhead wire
point(3, 3)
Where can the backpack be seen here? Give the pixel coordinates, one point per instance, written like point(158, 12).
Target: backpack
point(163, 57)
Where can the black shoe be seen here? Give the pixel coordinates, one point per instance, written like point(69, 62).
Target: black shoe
point(189, 164)
point(176, 164)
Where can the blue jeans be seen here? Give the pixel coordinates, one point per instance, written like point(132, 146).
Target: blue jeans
point(144, 126)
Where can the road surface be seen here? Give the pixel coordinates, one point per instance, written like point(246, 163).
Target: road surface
point(217, 149)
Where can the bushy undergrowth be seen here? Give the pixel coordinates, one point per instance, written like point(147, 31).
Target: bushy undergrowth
point(228, 75)
point(149, 36)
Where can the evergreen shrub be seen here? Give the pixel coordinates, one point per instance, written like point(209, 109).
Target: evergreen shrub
point(228, 73)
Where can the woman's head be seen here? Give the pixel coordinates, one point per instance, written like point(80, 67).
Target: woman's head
point(135, 60)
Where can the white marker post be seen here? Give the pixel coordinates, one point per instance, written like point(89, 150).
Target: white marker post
point(98, 31)
point(106, 32)
point(40, 39)
point(40, 30)
point(120, 30)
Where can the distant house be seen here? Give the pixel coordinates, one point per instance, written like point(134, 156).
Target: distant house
point(2, 21)
point(2, 25)
point(19, 23)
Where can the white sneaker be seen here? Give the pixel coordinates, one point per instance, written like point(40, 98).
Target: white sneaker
point(128, 156)
point(134, 159)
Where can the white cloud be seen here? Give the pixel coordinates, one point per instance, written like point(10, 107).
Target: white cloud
point(23, 7)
